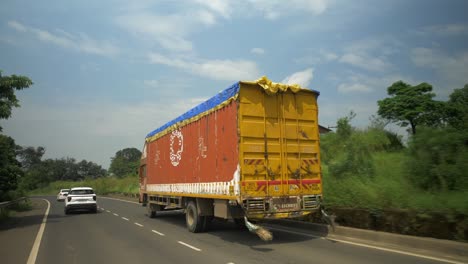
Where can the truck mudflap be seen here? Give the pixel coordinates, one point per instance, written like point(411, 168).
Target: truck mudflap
point(330, 219)
point(260, 231)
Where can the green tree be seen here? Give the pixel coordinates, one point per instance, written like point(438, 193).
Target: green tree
point(125, 162)
point(10, 170)
point(457, 109)
point(411, 105)
point(8, 86)
point(30, 156)
point(88, 169)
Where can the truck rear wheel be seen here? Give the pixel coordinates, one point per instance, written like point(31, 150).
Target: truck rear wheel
point(195, 222)
point(153, 210)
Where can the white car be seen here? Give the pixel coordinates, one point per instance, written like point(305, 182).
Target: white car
point(81, 198)
point(62, 195)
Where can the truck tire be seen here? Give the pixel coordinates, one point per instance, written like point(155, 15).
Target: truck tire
point(195, 222)
point(153, 210)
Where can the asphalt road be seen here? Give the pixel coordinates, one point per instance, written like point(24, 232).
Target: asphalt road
point(122, 233)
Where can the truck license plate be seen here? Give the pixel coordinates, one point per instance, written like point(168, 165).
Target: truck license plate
point(286, 204)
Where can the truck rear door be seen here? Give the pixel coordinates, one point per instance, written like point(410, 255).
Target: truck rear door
point(279, 143)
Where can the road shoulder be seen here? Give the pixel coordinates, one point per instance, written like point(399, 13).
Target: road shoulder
point(17, 234)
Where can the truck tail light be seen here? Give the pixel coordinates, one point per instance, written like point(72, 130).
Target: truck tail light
point(94, 197)
point(69, 198)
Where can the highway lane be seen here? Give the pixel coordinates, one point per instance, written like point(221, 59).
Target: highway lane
point(122, 233)
point(106, 238)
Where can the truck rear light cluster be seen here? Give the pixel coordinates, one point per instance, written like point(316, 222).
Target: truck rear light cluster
point(94, 198)
point(69, 198)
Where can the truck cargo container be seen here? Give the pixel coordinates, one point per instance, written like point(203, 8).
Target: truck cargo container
point(251, 152)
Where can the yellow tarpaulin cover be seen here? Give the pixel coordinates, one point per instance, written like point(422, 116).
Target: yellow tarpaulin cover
point(272, 87)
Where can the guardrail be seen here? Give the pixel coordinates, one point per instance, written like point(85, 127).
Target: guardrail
point(5, 205)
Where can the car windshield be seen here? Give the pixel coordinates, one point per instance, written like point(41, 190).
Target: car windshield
point(82, 192)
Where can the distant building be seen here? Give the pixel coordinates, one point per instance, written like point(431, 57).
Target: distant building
point(323, 130)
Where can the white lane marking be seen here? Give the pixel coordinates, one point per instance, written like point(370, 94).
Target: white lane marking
point(159, 233)
point(102, 208)
point(108, 211)
point(138, 224)
point(126, 219)
point(116, 214)
point(373, 247)
point(35, 249)
point(189, 246)
point(119, 200)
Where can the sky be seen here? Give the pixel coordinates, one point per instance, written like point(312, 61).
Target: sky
point(108, 72)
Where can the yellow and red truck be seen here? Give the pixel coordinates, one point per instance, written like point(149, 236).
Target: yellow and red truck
point(251, 152)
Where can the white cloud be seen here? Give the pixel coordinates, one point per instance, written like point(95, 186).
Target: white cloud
point(329, 56)
point(302, 78)
point(169, 31)
point(356, 87)
point(258, 51)
point(362, 83)
point(365, 61)
point(221, 7)
point(446, 30)
point(371, 54)
point(81, 42)
point(17, 26)
point(453, 69)
point(274, 9)
point(229, 70)
point(151, 83)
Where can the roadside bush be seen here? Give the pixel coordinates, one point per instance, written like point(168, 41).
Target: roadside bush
point(348, 152)
point(107, 185)
point(438, 159)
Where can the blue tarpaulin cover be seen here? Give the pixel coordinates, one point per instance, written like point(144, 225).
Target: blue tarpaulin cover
point(201, 108)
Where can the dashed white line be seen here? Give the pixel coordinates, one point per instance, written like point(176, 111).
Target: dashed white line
point(116, 214)
point(159, 233)
point(108, 211)
point(119, 200)
point(189, 246)
point(138, 224)
point(126, 219)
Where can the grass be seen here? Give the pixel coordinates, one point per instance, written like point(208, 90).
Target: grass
point(127, 185)
point(389, 188)
point(22, 206)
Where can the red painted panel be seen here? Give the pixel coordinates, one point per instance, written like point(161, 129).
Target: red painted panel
point(202, 151)
point(279, 182)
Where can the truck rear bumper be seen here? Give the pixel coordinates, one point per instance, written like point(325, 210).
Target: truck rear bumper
point(281, 207)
